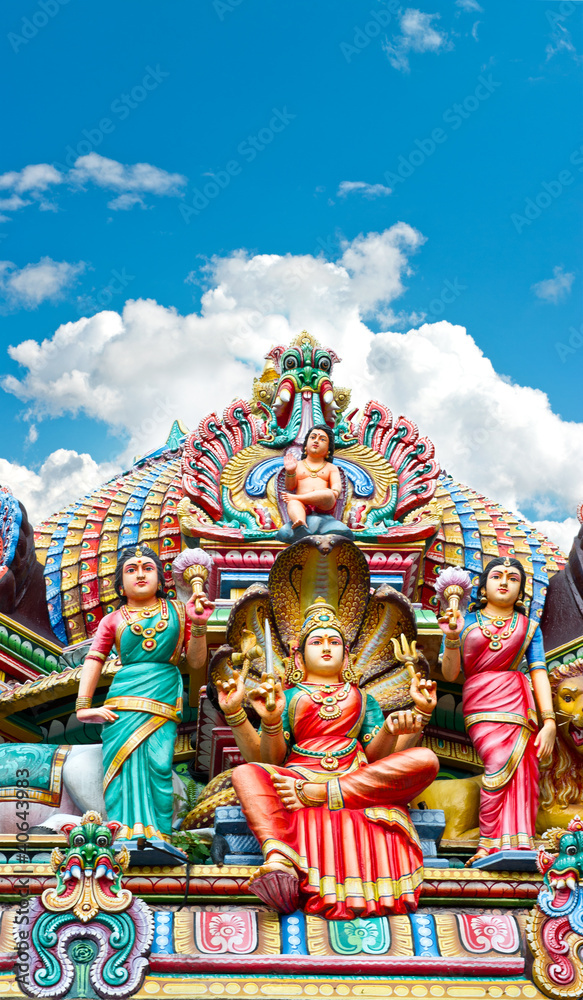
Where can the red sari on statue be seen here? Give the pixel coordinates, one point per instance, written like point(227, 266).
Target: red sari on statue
point(500, 717)
point(359, 855)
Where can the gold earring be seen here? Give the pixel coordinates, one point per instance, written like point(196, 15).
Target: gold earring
point(348, 673)
point(294, 674)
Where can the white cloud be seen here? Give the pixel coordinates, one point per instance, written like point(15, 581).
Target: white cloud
point(13, 203)
point(124, 202)
point(129, 181)
point(361, 187)
point(469, 5)
point(35, 177)
point(417, 35)
point(63, 477)
point(500, 438)
point(561, 533)
point(138, 371)
point(124, 177)
point(101, 366)
point(561, 40)
point(556, 288)
point(36, 283)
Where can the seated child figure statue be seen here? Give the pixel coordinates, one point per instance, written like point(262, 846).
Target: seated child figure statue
point(317, 485)
point(328, 781)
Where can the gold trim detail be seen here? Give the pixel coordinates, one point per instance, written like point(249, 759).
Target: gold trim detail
point(447, 935)
point(184, 943)
point(401, 937)
point(492, 782)
point(513, 718)
point(335, 797)
point(268, 932)
point(141, 734)
point(284, 987)
point(50, 797)
point(317, 935)
point(127, 703)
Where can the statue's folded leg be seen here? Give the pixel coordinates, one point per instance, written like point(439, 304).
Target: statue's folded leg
point(391, 781)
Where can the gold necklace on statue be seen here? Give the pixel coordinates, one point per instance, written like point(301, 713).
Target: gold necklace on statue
point(495, 639)
point(147, 632)
point(314, 473)
point(327, 696)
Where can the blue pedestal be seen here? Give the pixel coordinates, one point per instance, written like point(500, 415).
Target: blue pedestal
point(508, 861)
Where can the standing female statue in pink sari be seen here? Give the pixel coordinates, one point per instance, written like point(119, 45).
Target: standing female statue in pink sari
point(500, 703)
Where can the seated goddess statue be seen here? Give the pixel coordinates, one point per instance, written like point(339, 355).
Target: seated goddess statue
point(328, 781)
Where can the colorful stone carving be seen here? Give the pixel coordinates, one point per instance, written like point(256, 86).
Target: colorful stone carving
point(555, 926)
point(223, 484)
point(88, 928)
point(233, 470)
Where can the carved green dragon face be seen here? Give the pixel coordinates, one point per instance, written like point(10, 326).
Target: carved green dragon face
point(564, 869)
point(303, 394)
point(89, 842)
point(88, 872)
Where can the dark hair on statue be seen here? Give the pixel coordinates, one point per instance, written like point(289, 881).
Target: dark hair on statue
point(130, 553)
point(503, 561)
point(327, 430)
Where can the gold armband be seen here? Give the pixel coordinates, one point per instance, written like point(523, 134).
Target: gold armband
point(83, 701)
point(545, 716)
point(198, 630)
point(273, 730)
point(452, 643)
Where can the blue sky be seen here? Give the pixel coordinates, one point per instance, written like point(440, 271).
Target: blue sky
point(308, 126)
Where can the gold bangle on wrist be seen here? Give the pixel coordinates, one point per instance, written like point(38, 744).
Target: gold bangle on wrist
point(198, 630)
point(452, 643)
point(273, 730)
point(545, 716)
point(422, 715)
point(236, 719)
point(83, 701)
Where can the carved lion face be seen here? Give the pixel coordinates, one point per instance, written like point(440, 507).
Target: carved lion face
point(568, 705)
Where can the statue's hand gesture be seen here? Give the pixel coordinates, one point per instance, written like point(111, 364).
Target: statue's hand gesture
point(199, 609)
point(423, 693)
point(268, 699)
point(452, 623)
point(403, 723)
point(545, 741)
point(290, 463)
point(231, 693)
point(96, 715)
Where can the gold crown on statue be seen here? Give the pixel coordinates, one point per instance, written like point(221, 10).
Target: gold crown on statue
point(320, 614)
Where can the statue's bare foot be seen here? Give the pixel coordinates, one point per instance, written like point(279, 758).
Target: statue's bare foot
point(299, 523)
point(285, 787)
point(275, 863)
point(277, 883)
point(480, 853)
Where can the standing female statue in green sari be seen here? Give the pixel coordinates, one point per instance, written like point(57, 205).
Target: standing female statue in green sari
point(144, 703)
